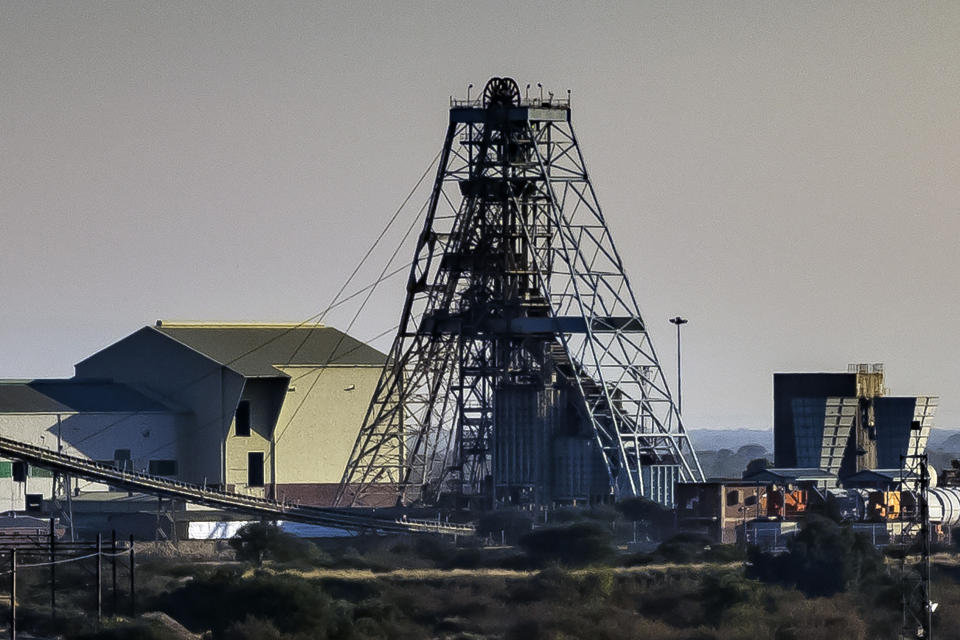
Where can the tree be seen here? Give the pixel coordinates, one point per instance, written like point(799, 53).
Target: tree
point(751, 451)
point(652, 516)
point(824, 558)
point(511, 524)
point(755, 465)
point(259, 541)
point(577, 544)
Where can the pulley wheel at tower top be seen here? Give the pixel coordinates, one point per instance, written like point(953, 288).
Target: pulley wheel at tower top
point(501, 92)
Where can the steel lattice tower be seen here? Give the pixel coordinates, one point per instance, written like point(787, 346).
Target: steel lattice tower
point(521, 355)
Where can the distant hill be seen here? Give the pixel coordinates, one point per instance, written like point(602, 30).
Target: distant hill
point(716, 439)
point(947, 439)
point(725, 452)
point(733, 439)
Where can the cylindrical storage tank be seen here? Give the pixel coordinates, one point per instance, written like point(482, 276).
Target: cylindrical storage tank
point(944, 505)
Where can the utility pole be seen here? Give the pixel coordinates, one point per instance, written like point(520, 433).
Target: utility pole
point(53, 570)
point(679, 322)
point(113, 568)
point(918, 608)
point(133, 591)
point(99, 578)
point(13, 594)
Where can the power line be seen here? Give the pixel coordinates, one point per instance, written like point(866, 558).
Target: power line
point(356, 315)
point(318, 317)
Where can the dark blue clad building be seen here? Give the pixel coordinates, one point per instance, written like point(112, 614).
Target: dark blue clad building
point(845, 422)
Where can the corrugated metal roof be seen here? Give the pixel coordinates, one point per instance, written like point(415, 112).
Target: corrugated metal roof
point(792, 473)
point(71, 395)
point(887, 474)
point(255, 350)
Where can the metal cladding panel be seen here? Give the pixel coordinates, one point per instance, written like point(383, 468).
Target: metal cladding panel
point(795, 422)
point(924, 411)
point(660, 483)
point(840, 416)
point(578, 469)
point(944, 505)
point(895, 437)
point(521, 457)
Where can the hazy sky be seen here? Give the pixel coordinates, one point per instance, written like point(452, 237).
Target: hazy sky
point(785, 175)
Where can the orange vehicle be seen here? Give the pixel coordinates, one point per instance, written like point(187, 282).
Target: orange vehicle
point(786, 504)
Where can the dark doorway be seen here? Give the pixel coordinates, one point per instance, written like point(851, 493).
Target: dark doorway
point(255, 469)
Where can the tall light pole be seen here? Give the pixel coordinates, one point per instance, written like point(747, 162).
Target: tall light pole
point(678, 321)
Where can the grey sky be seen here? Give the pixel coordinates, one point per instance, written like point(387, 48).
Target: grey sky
point(785, 175)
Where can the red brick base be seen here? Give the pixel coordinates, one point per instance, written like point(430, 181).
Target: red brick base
point(324, 494)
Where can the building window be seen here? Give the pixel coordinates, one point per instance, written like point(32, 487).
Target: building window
point(6, 469)
point(37, 472)
point(34, 502)
point(255, 469)
point(163, 467)
point(19, 471)
point(733, 498)
point(242, 419)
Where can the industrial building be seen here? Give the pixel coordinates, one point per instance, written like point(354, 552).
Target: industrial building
point(842, 444)
point(717, 508)
point(268, 410)
point(844, 423)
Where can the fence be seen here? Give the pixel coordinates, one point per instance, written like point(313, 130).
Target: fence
point(31, 547)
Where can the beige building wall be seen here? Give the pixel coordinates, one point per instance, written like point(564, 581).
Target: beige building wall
point(262, 397)
point(319, 422)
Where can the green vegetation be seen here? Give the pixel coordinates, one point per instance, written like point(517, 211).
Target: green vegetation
point(575, 545)
point(564, 580)
point(825, 558)
point(259, 541)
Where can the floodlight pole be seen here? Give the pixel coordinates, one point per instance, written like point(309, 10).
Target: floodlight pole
point(679, 322)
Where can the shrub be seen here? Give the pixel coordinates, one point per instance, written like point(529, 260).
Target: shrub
point(824, 558)
point(653, 518)
point(578, 544)
point(252, 629)
point(259, 541)
point(513, 524)
point(291, 604)
point(684, 547)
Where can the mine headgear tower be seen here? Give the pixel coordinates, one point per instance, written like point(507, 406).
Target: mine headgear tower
point(522, 371)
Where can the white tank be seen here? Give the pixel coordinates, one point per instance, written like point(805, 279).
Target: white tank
point(944, 505)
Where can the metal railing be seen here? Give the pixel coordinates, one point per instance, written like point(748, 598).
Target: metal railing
point(536, 102)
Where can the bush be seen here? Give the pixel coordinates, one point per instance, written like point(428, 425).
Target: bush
point(575, 545)
point(513, 524)
point(291, 604)
point(259, 541)
point(684, 548)
point(823, 559)
point(253, 629)
point(653, 518)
